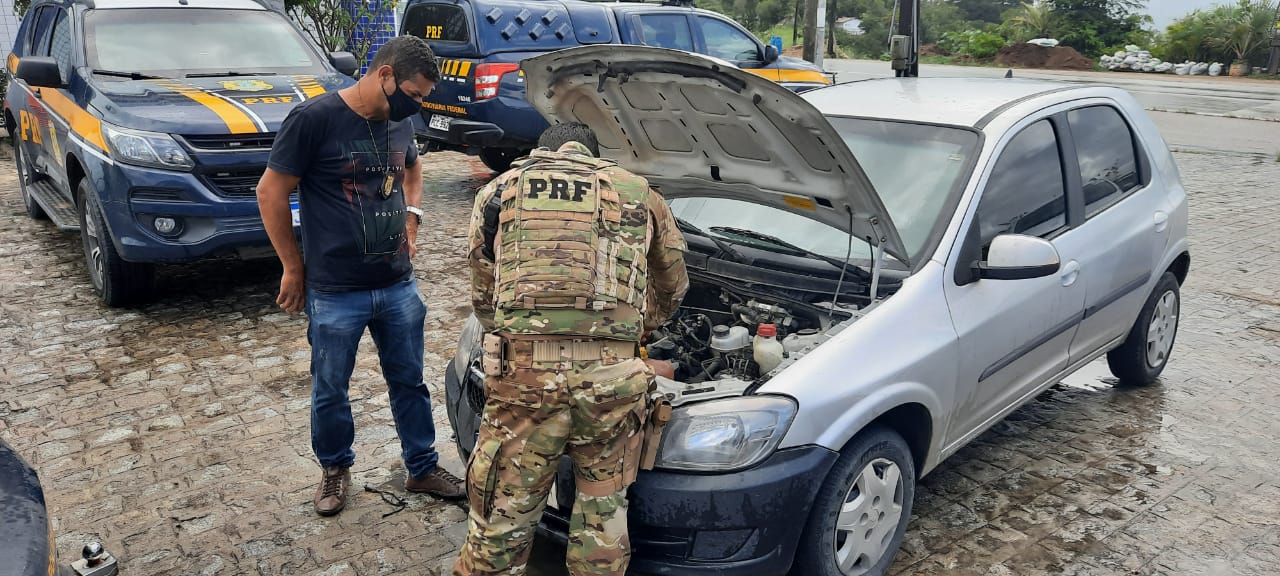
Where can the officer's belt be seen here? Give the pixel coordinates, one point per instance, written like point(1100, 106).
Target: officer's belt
point(568, 349)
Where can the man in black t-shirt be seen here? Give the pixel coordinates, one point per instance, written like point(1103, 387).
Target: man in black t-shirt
point(352, 157)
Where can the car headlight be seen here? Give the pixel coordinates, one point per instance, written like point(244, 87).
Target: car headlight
point(152, 149)
point(468, 343)
point(726, 434)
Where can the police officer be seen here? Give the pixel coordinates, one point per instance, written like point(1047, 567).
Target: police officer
point(573, 259)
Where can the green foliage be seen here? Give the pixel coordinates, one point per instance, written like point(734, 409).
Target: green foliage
point(1222, 33)
point(20, 7)
point(937, 17)
point(332, 25)
point(985, 10)
point(973, 43)
point(1090, 26)
point(1034, 20)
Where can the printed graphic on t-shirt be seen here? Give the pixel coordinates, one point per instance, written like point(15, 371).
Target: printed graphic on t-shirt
point(375, 189)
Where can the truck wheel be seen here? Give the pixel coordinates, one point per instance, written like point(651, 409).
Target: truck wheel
point(27, 177)
point(862, 510)
point(500, 159)
point(1145, 351)
point(117, 281)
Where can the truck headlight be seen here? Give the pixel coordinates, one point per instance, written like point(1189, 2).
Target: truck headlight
point(726, 434)
point(151, 149)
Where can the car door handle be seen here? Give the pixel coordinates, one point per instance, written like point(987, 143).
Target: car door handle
point(1161, 221)
point(1070, 271)
point(36, 91)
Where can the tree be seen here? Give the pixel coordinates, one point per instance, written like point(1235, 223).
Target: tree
point(20, 7)
point(938, 17)
point(985, 10)
point(1035, 19)
point(1242, 30)
point(1091, 26)
point(333, 23)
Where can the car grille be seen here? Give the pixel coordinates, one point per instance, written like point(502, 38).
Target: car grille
point(231, 141)
point(235, 183)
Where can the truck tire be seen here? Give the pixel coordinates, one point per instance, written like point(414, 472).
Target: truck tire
point(861, 512)
point(1145, 351)
point(500, 159)
point(27, 177)
point(118, 282)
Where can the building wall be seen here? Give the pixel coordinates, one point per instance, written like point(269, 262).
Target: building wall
point(8, 26)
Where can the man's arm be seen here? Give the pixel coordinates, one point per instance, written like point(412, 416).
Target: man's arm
point(480, 253)
point(668, 279)
point(412, 197)
point(273, 202)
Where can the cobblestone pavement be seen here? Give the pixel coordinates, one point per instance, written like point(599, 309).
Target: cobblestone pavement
point(178, 433)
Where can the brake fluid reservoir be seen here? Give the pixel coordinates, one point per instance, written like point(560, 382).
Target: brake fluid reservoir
point(768, 350)
point(726, 339)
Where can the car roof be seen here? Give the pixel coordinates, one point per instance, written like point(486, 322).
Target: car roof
point(969, 102)
point(114, 4)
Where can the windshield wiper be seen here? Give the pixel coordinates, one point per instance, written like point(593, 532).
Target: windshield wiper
point(129, 75)
point(721, 244)
point(795, 250)
point(228, 74)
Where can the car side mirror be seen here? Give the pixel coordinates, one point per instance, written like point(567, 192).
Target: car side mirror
point(770, 54)
point(1019, 257)
point(344, 62)
point(40, 72)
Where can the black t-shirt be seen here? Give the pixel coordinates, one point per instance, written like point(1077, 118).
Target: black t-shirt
point(351, 197)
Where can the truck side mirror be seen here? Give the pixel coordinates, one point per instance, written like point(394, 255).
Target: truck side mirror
point(344, 62)
point(39, 72)
point(770, 54)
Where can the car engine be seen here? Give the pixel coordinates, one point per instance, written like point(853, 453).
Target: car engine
point(709, 341)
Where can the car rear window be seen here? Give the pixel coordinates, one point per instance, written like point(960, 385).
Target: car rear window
point(437, 22)
point(1108, 164)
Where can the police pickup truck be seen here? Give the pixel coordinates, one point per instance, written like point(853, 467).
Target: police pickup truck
point(145, 125)
point(479, 106)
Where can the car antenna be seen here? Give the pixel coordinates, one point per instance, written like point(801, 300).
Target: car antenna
point(1009, 74)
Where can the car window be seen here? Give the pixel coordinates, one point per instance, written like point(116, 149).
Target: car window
point(727, 42)
point(1025, 193)
point(60, 47)
point(1108, 164)
point(666, 31)
point(441, 22)
point(213, 41)
point(39, 45)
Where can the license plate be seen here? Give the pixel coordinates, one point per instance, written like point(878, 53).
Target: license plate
point(439, 122)
point(293, 207)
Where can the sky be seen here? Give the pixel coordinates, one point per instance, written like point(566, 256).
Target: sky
point(1164, 12)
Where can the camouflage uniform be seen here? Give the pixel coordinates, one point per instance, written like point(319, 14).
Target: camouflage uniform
point(551, 398)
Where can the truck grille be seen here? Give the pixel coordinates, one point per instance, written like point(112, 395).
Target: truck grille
point(236, 183)
point(219, 142)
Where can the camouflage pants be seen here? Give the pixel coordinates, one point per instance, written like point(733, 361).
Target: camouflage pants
point(533, 415)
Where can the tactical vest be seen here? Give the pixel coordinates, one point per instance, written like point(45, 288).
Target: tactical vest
point(573, 235)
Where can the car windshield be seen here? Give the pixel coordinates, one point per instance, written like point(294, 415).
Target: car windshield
point(918, 170)
point(174, 42)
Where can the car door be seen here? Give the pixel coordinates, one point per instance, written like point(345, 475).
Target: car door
point(663, 30)
point(1014, 334)
point(33, 118)
point(1127, 212)
point(60, 102)
point(723, 39)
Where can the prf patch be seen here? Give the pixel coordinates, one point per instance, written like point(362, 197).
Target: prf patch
point(558, 191)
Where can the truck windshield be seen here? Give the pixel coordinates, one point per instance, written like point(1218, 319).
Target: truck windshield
point(175, 42)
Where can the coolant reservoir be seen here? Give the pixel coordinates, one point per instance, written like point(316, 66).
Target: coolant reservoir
point(726, 339)
point(801, 340)
point(768, 350)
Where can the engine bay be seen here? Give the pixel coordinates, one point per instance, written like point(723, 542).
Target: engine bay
point(710, 339)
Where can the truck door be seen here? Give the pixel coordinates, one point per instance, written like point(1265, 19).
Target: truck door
point(33, 116)
point(60, 102)
point(723, 39)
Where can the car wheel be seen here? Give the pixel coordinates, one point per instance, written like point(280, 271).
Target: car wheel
point(500, 159)
point(27, 177)
point(117, 281)
point(1145, 352)
point(862, 510)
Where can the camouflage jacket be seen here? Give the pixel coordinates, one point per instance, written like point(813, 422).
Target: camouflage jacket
point(666, 284)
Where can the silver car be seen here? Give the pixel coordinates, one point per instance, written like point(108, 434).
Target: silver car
point(933, 253)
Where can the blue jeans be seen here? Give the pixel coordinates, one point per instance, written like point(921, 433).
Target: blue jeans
point(395, 317)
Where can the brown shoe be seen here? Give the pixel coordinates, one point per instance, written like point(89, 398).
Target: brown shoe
point(331, 494)
point(439, 483)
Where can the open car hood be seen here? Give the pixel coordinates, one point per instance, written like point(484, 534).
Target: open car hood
point(697, 126)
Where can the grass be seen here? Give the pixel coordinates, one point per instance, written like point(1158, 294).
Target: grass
point(782, 29)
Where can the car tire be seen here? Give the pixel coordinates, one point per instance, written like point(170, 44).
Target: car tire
point(118, 282)
point(860, 498)
point(500, 159)
point(1145, 351)
point(27, 177)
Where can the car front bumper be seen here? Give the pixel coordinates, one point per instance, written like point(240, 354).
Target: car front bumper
point(746, 522)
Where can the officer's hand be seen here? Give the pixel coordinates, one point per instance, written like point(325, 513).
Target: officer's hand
point(293, 292)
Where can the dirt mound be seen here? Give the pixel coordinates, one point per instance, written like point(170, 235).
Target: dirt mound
point(933, 50)
point(1034, 56)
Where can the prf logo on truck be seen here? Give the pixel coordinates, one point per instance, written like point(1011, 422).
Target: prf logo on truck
point(153, 153)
